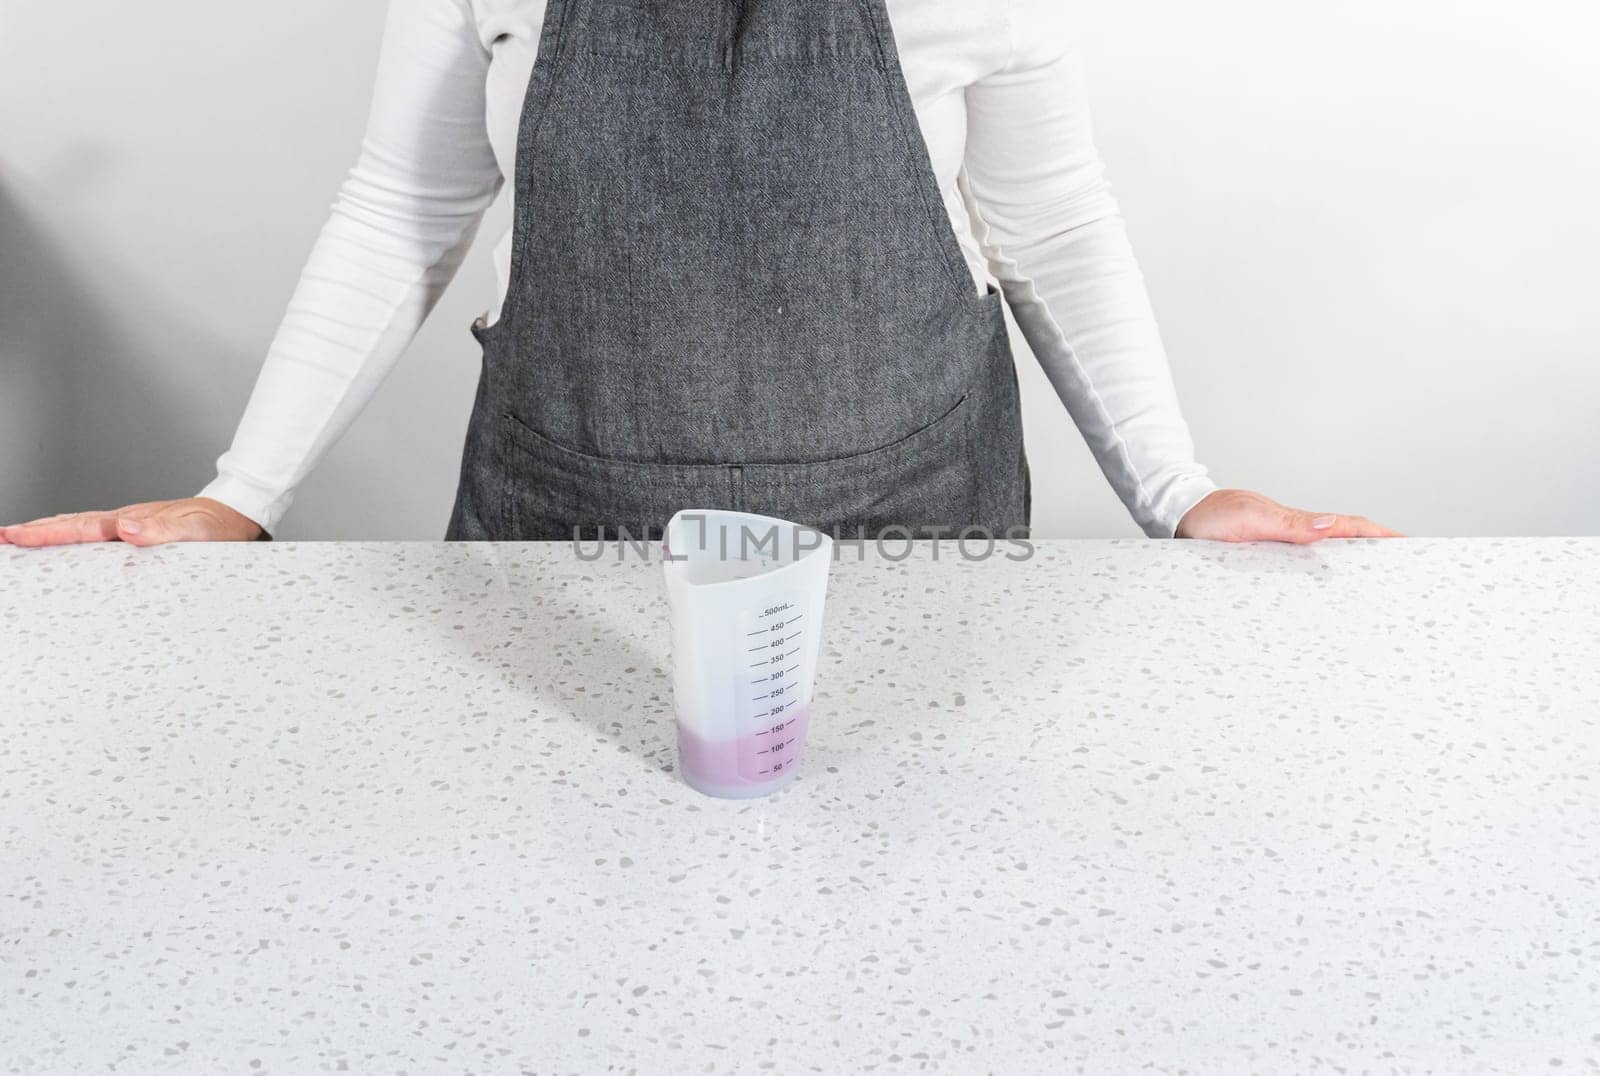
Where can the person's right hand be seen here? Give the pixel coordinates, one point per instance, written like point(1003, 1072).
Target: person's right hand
point(192, 519)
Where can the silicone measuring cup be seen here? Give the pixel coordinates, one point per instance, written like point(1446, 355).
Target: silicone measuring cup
point(745, 595)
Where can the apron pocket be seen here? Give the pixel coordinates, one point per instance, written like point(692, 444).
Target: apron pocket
point(922, 482)
point(556, 493)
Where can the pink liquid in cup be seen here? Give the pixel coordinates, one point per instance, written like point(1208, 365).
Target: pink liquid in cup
point(749, 765)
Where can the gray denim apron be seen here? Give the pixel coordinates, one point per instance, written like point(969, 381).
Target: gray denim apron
point(734, 284)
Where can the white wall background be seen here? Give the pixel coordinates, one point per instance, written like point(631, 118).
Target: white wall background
point(1370, 230)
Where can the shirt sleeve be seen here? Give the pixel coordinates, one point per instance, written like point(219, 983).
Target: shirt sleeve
point(398, 231)
point(1054, 239)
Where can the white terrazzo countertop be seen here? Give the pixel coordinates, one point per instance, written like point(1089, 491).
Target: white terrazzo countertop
point(1128, 805)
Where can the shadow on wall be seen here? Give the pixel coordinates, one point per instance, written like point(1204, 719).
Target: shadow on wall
point(93, 411)
point(91, 416)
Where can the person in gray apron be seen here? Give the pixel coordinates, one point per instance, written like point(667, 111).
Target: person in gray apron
point(734, 285)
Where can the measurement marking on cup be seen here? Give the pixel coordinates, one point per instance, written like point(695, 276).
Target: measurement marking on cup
point(774, 639)
point(775, 627)
point(775, 729)
point(784, 746)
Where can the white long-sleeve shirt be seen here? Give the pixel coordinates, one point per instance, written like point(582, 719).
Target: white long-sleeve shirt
point(1002, 108)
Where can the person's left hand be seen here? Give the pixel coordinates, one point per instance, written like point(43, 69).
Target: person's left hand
point(1238, 515)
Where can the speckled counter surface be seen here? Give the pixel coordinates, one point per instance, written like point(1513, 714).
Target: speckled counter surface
point(1126, 805)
